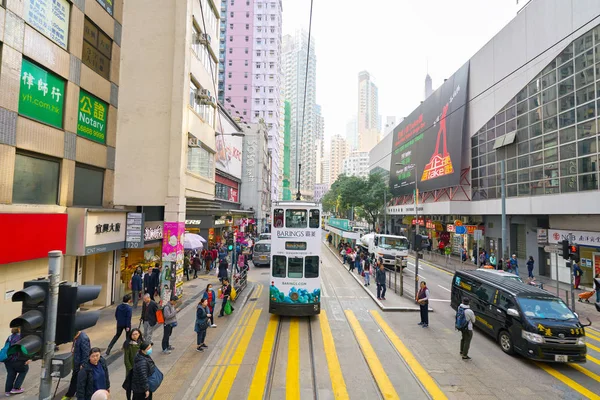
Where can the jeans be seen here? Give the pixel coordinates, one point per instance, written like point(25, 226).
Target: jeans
point(344, 259)
point(120, 330)
point(212, 315)
point(597, 296)
point(15, 375)
point(530, 272)
point(381, 289)
point(200, 337)
point(358, 266)
point(187, 273)
point(148, 331)
point(73, 384)
point(367, 278)
point(168, 330)
point(135, 296)
point(222, 312)
point(515, 270)
point(424, 308)
point(465, 341)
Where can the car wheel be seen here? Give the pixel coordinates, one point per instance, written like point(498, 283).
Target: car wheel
point(505, 342)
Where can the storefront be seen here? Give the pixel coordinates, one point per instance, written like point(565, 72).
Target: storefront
point(340, 230)
point(95, 239)
point(589, 253)
point(226, 189)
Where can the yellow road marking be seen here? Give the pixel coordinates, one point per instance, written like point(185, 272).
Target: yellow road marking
point(213, 385)
point(592, 335)
point(591, 346)
point(596, 332)
point(234, 365)
point(430, 385)
point(569, 382)
point(383, 381)
point(585, 371)
point(335, 371)
point(593, 359)
point(259, 381)
point(292, 376)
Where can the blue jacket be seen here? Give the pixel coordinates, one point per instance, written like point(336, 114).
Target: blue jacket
point(81, 350)
point(214, 298)
point(123, 315)
point(136, 282)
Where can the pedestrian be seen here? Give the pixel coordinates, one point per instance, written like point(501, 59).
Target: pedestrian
point(148, 281)
point(93, 376)
point(222, 253)
point(597, 287)
point(226, 291)
point(241, 262)
point(530, 267)
point(187, 265)
point(206, 255)
point(357, 261)
point(465, 318)
point(81, 353)
point(137, 286)
point(514, 264)
point(123, 317)
point(202, 315)
point(223, 270)
point(463, 253)
point(367, 271)
point(493, 260)
point(130, 350)
point(148, 318)
point(155, 279)
point(577, 273)
point(482, 258)
point(423, 300)
point(214, 255)
point(143, 368)
point(351, 261)
point(170, 314)
point(380, 281)
point(196, 265)
point(442, 247)
point(17, 366)
point(210, 296)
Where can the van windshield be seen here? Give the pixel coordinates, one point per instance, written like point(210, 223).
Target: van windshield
point(393, 243)
point(262, 248)
point(545, 308)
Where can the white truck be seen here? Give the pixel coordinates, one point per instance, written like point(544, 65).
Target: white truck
point(387, 247)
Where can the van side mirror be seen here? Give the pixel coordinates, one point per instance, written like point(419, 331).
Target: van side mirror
point(513, 313)
point(376, 241)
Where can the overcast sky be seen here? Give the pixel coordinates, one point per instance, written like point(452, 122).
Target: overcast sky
point(394, 40)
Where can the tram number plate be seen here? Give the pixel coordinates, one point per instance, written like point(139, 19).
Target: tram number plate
point(561, 358)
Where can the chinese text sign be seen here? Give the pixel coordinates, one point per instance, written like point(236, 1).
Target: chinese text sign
point(41, 96)
point(91, 117)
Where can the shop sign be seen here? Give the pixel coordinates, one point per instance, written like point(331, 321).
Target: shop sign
point(461, 230)
point(343, 224)
point(458, 222)
point(153, 230)
point(542, 236)
point(41, 95)
point(451, 228)
point(97, 49)
point(251, 159)
point(92, 117)
point(220, 222)
point(173, 237)
point(104, 231)
point(31, 236)
point(50, 17)
point(134, 230)
point(107, 5)
point(193, 221)
point(577, 237)
point(233, 195)
point(471, 229)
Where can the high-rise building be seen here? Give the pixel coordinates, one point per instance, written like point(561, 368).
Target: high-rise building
point(303, 133)
point(352, 133)
point(325, 171)
point(428, 86)
point(339, 152)
point(368, 113)
point(250, 69)
point(356, 164)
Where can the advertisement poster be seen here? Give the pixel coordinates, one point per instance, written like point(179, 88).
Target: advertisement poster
point(172, 254)
point(431, 138)
point(41, 95)
point(92, 117)
point(229, 154)
point(50, 17)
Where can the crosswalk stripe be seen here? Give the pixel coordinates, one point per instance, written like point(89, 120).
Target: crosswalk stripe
point(259, 381)
point(292, 377)
point(595, 348)
point(340, 392)
point(383, 381)
point(592, 336)
point(569, 382)
point(586, 372)
point(592, 359)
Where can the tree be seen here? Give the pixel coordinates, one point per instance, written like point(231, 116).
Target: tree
point(374, 193)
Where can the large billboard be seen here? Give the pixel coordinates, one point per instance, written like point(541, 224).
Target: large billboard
point(430, 138)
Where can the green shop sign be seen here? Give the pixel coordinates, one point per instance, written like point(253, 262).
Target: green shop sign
point(41, 96)
point(342, 224)
point(91, 117)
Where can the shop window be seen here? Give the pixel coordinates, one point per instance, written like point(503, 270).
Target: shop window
point(568, 185)
point(295, 267)
point(97, 49)
point(36, 179)
point(279, 266)
point(278, 218)
point(295, 218)
point(315, 218)
point(311, 267)
point(88, 188)
point(201, 162)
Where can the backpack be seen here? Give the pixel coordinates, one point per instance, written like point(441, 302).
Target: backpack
point(4, 351)
point(461, 319)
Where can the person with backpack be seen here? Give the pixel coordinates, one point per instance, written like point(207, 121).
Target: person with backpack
point(423, 300)
point(16, 365)
point(465, 318)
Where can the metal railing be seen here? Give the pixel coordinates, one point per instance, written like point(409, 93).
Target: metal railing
point(240, 278)
point(394, 280)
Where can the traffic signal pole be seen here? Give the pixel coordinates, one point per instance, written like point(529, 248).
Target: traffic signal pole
point(54, 264)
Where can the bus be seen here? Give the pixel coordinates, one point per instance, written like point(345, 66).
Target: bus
point(295, 259)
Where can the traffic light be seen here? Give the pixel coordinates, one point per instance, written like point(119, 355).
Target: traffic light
point(229, 244)
point(418, 242)
point(574, 252)
point(32, 321)
point(69, 321)
point(565, 249)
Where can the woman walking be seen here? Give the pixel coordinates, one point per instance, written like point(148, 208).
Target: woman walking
point(210, 296)
point(367, 271)
point(143, 368)
point(16, 365)
point(530, 266)
point(223, 269)
point(130, 350)
point(202, 315)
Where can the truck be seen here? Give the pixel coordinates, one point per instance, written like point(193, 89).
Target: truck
point(387, 247)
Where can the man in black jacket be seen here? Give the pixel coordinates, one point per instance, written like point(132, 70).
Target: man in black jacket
point(149, 310)
point(123, 317)
point(148, 288)
point(380, 280)
point(93, 376)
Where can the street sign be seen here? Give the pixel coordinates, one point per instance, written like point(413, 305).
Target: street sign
point(461, 230)
point(552, 249)
point(477, 233)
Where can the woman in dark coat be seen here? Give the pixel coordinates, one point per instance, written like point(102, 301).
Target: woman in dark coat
point(202, 315)
point(143, 368)
point(223, 270)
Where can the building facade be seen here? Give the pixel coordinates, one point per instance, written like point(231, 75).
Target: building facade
point(356, 164)
point(368, 112)
point(339, 152)
point(352, 133)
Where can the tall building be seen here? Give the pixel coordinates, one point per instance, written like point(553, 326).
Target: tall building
point(352, 133)
point(325, 170)
point(368, 113)
point(356, 164)
point(428, 86)
point(250, 69)
point(303, 134)
point(339, 152)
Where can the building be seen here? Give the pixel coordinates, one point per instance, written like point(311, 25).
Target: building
point(428, 87)
point(368, 113)
point(352, 133)
point(339, 152)
point(538, 118)
point(380, 157)
point(325, 170)
point(303, 135)
point(390, 124)
point(320, 190)
point(356, 164)
point(59, 85)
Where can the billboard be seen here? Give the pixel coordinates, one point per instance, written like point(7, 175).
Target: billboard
point(229, 154)
point(430, 139)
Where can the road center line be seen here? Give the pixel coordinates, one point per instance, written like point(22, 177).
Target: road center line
point(340, 392)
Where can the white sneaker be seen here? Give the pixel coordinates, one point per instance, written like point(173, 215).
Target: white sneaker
point(213, 326)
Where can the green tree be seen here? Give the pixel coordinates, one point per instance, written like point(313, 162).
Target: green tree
point(373, 195)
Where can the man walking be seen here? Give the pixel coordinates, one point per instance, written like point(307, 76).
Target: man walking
point(465, 317)
point(148, 289)
point(81, 353)
point(514, 264)
point(423, 300)
point(123, 317)
point(380, 281)
point(148, 318)
point(170, 314)
point(136, 287)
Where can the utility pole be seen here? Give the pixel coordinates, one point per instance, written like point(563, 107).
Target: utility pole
point(503, 195)
point(54, 264)
point(416, 230)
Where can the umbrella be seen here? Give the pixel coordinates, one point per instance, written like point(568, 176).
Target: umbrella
point(192, 241)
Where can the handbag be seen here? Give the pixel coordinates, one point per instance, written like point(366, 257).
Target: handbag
point(155, 380)
point(4, 351)
point(227, 309)
point(160, 318)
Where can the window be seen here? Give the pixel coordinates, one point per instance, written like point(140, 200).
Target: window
point(295, 218)
point(278, 216)
point(35, 180)
point(245, 99)
point(230, 26)
point(201, 162)
point(88, 188)
point(504, 301)
point(230, 63)
point(97, 49)
point(311, 267)
point(278, 266)
point(245, 63)
point(201, 105)
point(314, 219)
point(245, 88)
point(295, 267)
point(231, 50)
point(245, 74)
point(231, 14)
point(247, 26)
point(231, 38)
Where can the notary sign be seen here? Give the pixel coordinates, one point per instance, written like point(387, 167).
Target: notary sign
point(92, 117)
point(41, 95)
point(51, 18)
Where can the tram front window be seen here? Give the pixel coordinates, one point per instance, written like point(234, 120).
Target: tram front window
point(279, 266)
point(311, 267)
point(313, 221)
point(295, 266)
point(295, 218)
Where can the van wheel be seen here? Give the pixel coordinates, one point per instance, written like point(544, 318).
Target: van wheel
point(506, 342)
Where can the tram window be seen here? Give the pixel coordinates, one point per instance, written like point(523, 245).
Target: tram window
point(313, 221)
point(278, 217)
point(278, 266)
point(295, 218)
point(295, 267)
point(311, 267)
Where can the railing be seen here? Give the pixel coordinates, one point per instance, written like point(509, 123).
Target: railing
point(240, 279)
point(394, 279)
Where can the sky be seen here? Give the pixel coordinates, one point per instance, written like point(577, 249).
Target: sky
point(397, 42)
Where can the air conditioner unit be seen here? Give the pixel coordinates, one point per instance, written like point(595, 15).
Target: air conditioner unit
point(193, 141)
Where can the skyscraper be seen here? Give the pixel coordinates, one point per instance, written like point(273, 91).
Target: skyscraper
point(339, 152)
point(303, 132)
point(368, 112)
point(352, 133)
point(428, 86)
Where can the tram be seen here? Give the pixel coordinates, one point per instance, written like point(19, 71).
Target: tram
point(295, 288)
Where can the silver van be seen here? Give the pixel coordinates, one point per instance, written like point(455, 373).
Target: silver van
point(262, 253)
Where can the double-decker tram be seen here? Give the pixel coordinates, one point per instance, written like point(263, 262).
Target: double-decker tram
point(295, 259)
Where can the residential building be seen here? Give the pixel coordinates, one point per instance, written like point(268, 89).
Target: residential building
point(325, 170)
point(352, 133)
point(368, 112)
point(320, 190)
point(339, 152)
point(356, 164)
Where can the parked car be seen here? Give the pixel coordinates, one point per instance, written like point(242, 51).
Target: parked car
point(262, 253)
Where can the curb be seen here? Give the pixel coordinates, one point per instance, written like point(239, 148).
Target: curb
point(378, 302)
